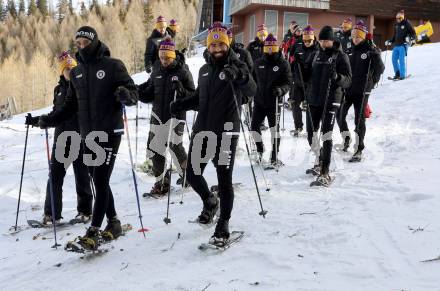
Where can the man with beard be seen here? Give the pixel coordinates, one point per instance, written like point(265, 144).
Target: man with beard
point(273, 78)
point(152, 50)
point(99, 87)
point(223, 82)
point(331, 73)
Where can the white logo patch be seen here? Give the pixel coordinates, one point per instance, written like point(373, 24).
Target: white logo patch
point(238, 55)
point(100, 74)
point(276, 68)
point(330, 60)
point(402, 27)
point(261, 67)
point(364, 56)
point(79, 76)
point(349, 45)
point(159, 77)
point(222, 76)
point(204, 75)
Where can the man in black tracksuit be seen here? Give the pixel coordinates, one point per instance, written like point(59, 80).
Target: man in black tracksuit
point(302, 57)
point(99, 87)
point(273, 77)
point(343, 36)
point(170, 78)
point(367, 67)
point(223, 83)
point(57, 169)
point(151, 54)
point(330, 74)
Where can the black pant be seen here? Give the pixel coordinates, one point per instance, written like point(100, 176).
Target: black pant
point(223, 159)
point(296, 97)
point(360, 127)
point(274, 123)
point(82, 183)
point(158, 153)
point(104, 203)
point(327, 128)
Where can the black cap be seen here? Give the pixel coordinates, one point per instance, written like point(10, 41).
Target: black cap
point(87, 32)
point(326, 33)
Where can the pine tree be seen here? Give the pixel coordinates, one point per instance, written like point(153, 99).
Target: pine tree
point(43, 7)
point(70, 7)
point(11, 8)
point(62, 9)
point(2, 11)
point(83, 10)
point(32, 8)
point(21, 7)
point(148, 13)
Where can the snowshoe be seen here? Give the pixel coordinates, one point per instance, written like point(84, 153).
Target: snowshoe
point(220, 244)
point(323, 180)
point(88, 242)
point(356, 158)
point(274, 164)
point(314, 171)
point(81, 218)
point(221, 233)
point(296, 132)
point(113, 230)
point(158, 191)
point(46, 222)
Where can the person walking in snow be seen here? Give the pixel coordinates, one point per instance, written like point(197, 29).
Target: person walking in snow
point(366, 67)
point(331, 73)
point(273, 77)
point(82, 180)
point(404, 36)
point(99, 87)
point(291, 39)
point(171, 77)
point(302, 57)
point(223, 83)
point(173, 29)
point(343, 35)
point(152, 48)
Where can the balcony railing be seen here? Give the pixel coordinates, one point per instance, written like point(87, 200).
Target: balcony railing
point(237, 5)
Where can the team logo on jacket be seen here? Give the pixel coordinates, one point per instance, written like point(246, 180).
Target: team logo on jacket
point(402, 27)
point(364, 56)
point(330, 60)
point(276, 68)
point(348, 45)
point(238, 55)
point(222, 76)
point(100, 74)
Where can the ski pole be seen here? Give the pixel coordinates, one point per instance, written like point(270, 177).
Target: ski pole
point(262, 212)
point(136, 137)
point(277, 122)
point(385, 63)
point(167, 220)
point(52, 198)
point(283, 129)
point(143, 230)
point(22, 172)
point(361, 112)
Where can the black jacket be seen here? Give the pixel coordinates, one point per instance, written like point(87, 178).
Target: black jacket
point(59, 95)
point(364, 59)
point(403, 33)
point(255, 48)
point(303, 58)
point(214, 98)
point(345, 39)
point(151, 54)
point(158, 89)
point(271, 71)
point(91, 94)
point(325, 63)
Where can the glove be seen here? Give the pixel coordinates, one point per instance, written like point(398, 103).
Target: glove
point(32, 121)
point(335, 77)
point(123, 95)
point(184, 50)
point(277, 92)
point(232, 73)
point(388, 42)
point(176, 107)
point(148, 69)
point(45, 121)
point(178, 87)
point(413, 42)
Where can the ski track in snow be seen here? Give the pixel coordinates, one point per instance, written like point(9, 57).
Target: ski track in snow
point(368, 231)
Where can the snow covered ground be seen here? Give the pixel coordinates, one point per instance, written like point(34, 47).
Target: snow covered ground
point(369, 231)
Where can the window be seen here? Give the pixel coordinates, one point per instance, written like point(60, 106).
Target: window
point(271, 21)
point(301, 18)
point(239, 37)
point(252, 27)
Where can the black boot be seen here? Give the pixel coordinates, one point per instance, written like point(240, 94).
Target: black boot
point(397, 76)
point(357, 157)
point(210, 207)
point(113, 230)
point(221, 233)
point(159, 189)
point(347, 142)
point(90, 241)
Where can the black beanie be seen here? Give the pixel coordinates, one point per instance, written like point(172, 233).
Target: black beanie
point(326, 33)
point(87, 32)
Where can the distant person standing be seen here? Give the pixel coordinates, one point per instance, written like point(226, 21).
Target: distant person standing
point(343, 36)
point(152, 49)
point(404, 36)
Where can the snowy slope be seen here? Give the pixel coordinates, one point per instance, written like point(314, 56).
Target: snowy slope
point(369, 231)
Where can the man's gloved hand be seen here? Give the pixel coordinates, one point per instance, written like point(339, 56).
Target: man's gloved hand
point(123, 95)
point(233, 73)
point(176, 107)
point(388, 42)
point(32, 121)
point(335, 77)
point(148, 69)
point(277, 92)
point(177, 86)
point(45, 121)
